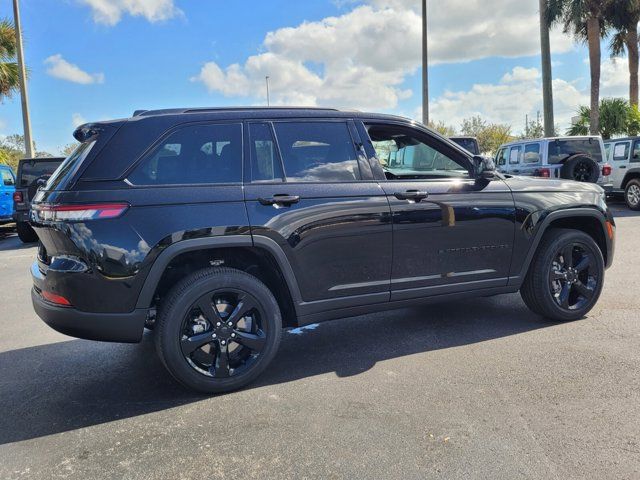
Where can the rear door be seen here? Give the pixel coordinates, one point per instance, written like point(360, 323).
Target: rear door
point(531, 159)
point(310, 191)
point(7, 187)
point(451, 232)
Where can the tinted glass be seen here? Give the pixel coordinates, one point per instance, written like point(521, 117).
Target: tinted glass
point(30, 171)
point(265, 161)
point(7, 177)
point(532, 153)
point(561, 149)
point(69, 167)
point(469, 144)
point(194, 155)
point(501, 157)
point(317, 152)
point(404, 153)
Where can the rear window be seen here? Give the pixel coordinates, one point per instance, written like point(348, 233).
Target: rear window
point(31, 171)
point(197, 154)
point(561, 149)
point(69, 167)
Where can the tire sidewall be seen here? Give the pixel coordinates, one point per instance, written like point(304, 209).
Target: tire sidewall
point(547, 261)
point(626, 197)
point(568, 169)
point(182, 297)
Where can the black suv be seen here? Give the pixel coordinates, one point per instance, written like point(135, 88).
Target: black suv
point(219, 227)
point(33, 173)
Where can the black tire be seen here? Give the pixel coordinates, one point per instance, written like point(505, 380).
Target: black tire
point(545, 286)
point(581, 169)
point(632, 194)
point(226, 363)
point(26, 233)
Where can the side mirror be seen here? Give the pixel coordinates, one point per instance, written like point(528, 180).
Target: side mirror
point(484, 167)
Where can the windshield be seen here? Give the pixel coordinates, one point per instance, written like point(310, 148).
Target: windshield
point(66, 170)
point(30, 171)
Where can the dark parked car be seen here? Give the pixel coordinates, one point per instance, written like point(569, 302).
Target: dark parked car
point(219, 227)
point(33, 173)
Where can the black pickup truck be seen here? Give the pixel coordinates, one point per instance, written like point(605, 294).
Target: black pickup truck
point(219, 227)
point(33, 173)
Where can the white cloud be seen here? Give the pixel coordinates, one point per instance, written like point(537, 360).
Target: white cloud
point(110, 12)
point(361, 59)
point(60, 68)
point(77, 120)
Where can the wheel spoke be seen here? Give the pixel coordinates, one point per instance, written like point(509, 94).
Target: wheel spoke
point(583, 290)
point(557, 275)
point(567, 256)
point(221, 366)
point(205, 304)
point(190, 344)
point(253, 341)
point(584, 263)
point(244, 306)
point(563, 297)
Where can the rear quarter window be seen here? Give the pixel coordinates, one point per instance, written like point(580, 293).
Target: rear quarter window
point(195, 154)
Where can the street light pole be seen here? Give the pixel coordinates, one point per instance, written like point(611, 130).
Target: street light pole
point(547, 86)
point(24, 97)
point(268, 99)
point(425, 72)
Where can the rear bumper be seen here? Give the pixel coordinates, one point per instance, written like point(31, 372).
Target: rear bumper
point(106, 327)
point(22, 216)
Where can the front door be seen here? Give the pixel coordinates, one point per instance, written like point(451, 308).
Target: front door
point(308, 190)
point(451, 232)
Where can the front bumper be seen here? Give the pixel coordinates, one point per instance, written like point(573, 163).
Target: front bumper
point(106, 327)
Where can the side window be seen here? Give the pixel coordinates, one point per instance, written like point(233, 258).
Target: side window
point(636, 152)
point(532, 153)
point(501, 157)
point(621, 151)
point(7, 178)
point(406, 153)
point(514, 155)
point(197, 154)
point(317, 151)
point(265, 161)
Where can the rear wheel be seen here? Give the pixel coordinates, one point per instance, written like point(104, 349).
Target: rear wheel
point(565, 279)
point(632, 194)
point(26, 233)
point(218, 329)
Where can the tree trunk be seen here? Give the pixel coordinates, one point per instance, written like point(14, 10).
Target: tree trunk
point(593, 39)
point(632, 48)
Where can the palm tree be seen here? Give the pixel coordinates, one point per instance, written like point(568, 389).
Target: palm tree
point(9, 76)
point(623, 16)
point(615, 115)
point(586, 20)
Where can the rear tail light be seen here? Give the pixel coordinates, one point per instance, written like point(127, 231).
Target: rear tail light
point(606, 170)
point(543, 172)
point(76, 213)
point(17, 197)
point(54, 298)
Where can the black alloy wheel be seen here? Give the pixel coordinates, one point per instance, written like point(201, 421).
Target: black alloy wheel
point(223, 333)
point(583, 171)
point(218, 329)
point(573, 277)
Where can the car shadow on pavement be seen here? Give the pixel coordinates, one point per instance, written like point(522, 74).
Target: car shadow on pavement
point(64, 386)
point(10, 241)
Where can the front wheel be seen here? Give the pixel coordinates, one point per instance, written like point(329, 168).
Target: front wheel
point(218, 329)
point(566, 276)
point(632, 194)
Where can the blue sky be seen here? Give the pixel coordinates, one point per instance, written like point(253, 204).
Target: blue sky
point(99, 59)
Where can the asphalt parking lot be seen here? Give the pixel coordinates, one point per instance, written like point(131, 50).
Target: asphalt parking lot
point(483, 389)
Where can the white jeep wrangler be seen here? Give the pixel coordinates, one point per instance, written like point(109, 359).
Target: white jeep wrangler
point(624, 157)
